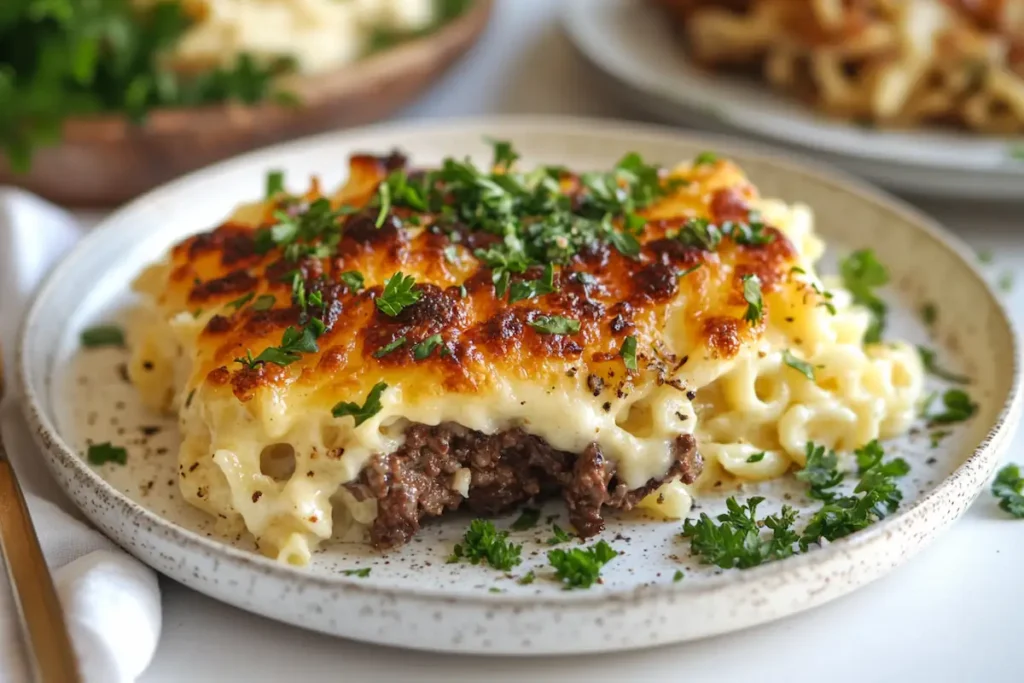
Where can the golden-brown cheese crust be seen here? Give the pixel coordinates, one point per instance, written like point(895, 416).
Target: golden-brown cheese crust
point(483, 337)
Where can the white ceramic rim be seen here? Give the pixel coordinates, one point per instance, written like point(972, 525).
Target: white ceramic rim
point(935, 149)
point(977, 467)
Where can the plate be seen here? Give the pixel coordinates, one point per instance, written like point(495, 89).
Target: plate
point(107, 160)
point(632, 42)
point(412, 597)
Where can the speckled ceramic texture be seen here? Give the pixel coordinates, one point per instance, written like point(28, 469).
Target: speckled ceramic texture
point(412, 597)
point(631, 41)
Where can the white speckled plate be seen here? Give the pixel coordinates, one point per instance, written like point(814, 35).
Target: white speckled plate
point(632, 42)
point(412, 597)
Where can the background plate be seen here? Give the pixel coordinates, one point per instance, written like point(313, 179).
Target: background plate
point(631, 41)
point(412, 597)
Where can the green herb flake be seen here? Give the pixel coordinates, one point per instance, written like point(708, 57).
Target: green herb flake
point(936, 437)
point(240, 301)
point(581, 567)
point(862, 273)
point(756, 457)
point(275, 184)
point(264, 302)
point(504, 154)
point(558, 535)
point(705, 158)
point(361, 573)
point(102, 335)
point(527, 578)
point(1008, 487)
point(820, 472)
point(527, 519)
point(803, 367)
point(426, 347)
point(393, 346)
point(985, 256)
point(752, 295)
point(736, 540)
point(529, 289)
point(398, 294)
point(928, 359)
point(628, 352)
point(353, 280)
point(384, 198)
point(929, 314)
point(1005, 282)
point(689, 270)
point(678, 576)
point(483, 543)
point(555, 324)
point(100, 453)
point(958, 408)
point(362, 413)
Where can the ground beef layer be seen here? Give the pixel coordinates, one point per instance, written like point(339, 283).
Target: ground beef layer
point(507, 469)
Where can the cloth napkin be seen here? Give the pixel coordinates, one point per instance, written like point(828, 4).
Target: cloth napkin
point(111, 600)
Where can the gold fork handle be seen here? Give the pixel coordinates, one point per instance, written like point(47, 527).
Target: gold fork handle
point(51, 655)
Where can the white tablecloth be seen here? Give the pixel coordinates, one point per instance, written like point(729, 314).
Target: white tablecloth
point(954, 613)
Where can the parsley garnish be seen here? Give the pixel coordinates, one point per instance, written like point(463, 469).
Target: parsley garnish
point(353, 280)
point(527, 519)
point(581, 567)
point(100, 453)
point(558, 535)
point(736, 541)
point(398, 294)
point(528, 578)
point(555, 324)
point(820, 472)
point(678, 576)
point(862, 273)
point(504, 155)
point(533, 288)
point(384, 198)
point(803, 367)
point(361, 573)
point(275, 183)
point(752, 295)
point(240, 301)
point(484, 543)
point(705, 158)
point(928, 358)
point(929, 313)
point(700, 233)
point(385, 350)
point(959, 407)
point(294, 342)
point(102, 335)
point(756, 457)
point(426, 347)
point(362, 413)
point(1007, 487)
point(628, 352)
point(264, 302)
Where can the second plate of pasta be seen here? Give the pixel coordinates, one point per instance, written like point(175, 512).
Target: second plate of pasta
point(777, 402)
point(635, 42)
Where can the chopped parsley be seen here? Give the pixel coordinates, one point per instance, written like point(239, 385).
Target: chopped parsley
point(398, 294)
point(264, 302)
point(275, 183)
point(555, 324)
point(705, 158)
point(353, 280)
point(362, 413)
point(102, 335)
point(581, 567)
point(483, 543)
point(533, 288)
point(862, 273)
point(100, 453)
point(985, 256)
point(803, 367)
point(294, 342)
point(314, 231)
point(426, 347)
point(628, 352)
point(384, 199)
point(928, 359)
point(527, 578)
point(385, 350)
point(929, 313)
point(752, 295)
point(820, 472)
point(1008, 487)
point(527, 519)
point(240, 301)
point(756, 457)
point(361, 573)
point(1005, 282)
point(558, 535)
point(736, 540)
point(958, 408)
point(678, 576)
point(700, 233)
point(504, 154)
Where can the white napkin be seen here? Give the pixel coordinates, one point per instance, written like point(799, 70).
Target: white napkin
point(111, 600)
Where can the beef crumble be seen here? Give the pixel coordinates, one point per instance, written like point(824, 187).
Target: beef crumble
point(506, 469)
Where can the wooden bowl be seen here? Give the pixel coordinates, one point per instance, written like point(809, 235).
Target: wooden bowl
point(107, 160)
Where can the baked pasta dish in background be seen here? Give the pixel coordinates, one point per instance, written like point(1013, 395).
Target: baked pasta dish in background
point(425, 340)
point(887, 62)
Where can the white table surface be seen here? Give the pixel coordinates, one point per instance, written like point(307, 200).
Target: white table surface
point(954, 613)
